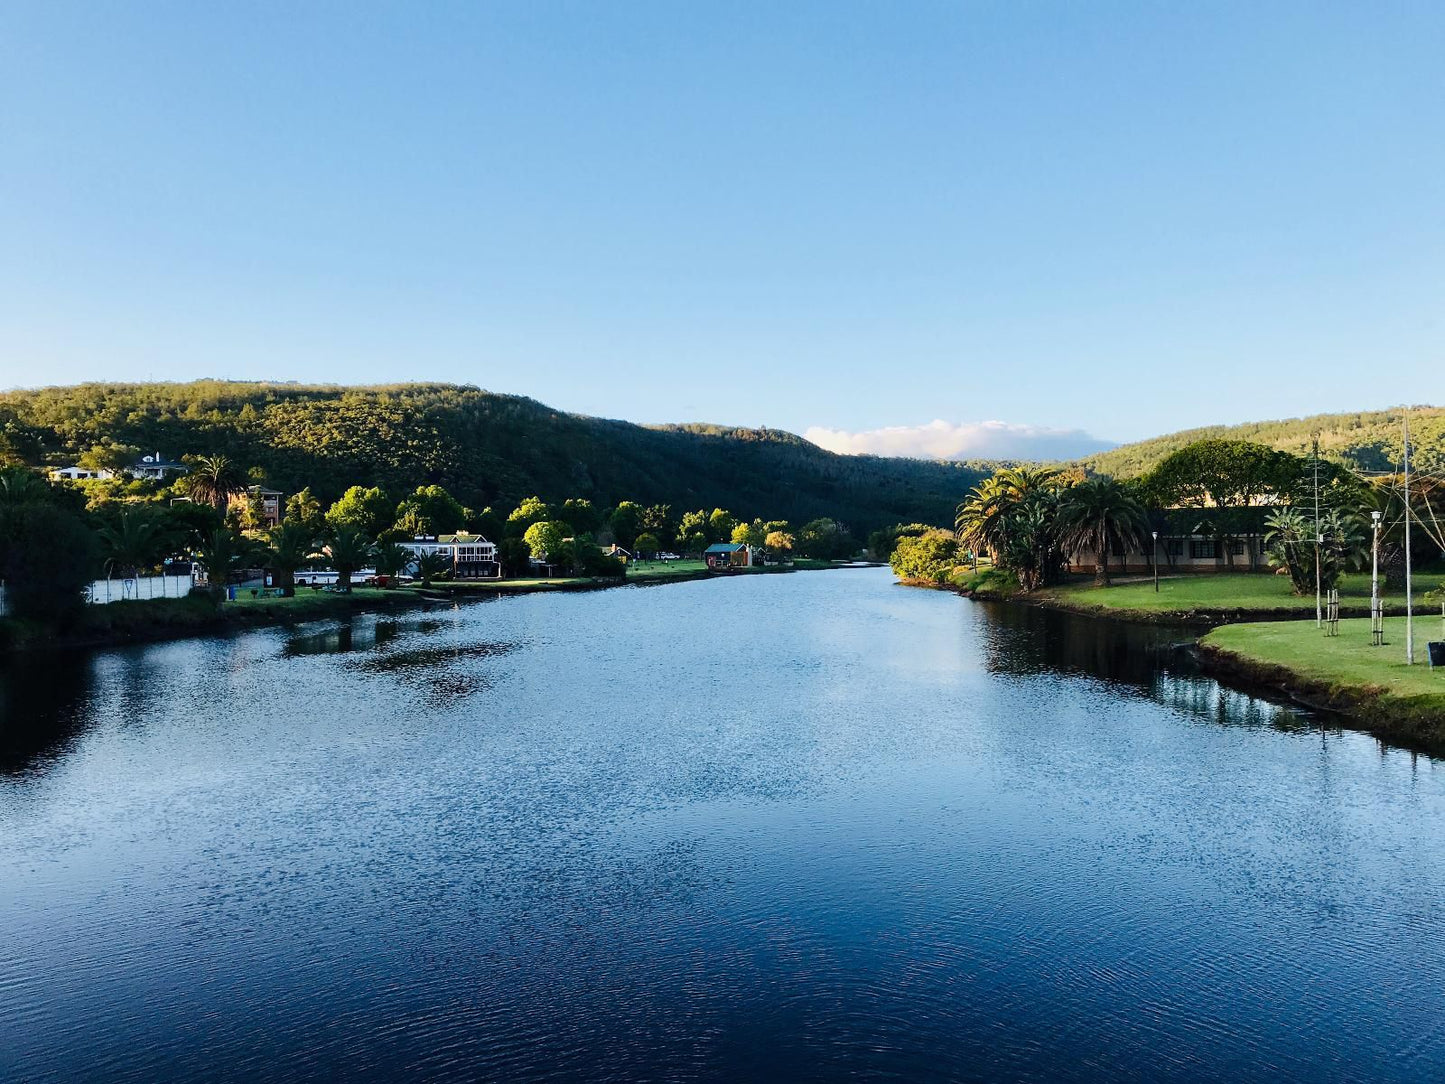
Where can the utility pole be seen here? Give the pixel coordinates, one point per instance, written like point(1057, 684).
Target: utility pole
point(1409, 598)
point(1377, 617)
point(1319, 614)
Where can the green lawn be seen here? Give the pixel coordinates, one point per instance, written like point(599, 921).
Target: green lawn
point(305, 598)
point(1226, 591)
point(1347, 659)
point(642, 570)
point(1372, 684)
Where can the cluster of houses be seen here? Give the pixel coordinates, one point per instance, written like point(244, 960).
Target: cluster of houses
point(154, 467)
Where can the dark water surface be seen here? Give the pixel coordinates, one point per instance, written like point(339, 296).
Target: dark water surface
point(786, 827)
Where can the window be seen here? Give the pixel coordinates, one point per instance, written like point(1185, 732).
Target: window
point(1236, 547)
point(1208, 549)
point(1174, 547)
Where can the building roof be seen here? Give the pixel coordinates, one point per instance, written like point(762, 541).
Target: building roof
point(725, 547)
point(462, 537)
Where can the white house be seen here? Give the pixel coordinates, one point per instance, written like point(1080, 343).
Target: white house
point(76, 474)
point(471, 556)
point(156, 467)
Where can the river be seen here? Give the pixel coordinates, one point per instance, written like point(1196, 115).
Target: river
point(795, 827)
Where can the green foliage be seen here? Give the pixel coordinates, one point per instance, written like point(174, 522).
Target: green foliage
point(213, 480)
point(48, 557)
point(1098, 514)
point(925, 558)
point(514, 555)
point(828, 540)
point(1014, 516)
point(290, 546)
point(720, 524)
point(221, 553)
point(626, 523)
point(750, 534)
point(544, 540)
point(1366, 441)
point(432, 566)
point(368, 511)
point(430, 510)
point(391, 560)
point(581, 515)
point(646, 542)
point(109, 457)
point(694, 531)
point(531, 511)
point(348, 549)
point(882, 542)
point(1292, 546)
point(138, 539)
point(1223, 473)
point(302, 507)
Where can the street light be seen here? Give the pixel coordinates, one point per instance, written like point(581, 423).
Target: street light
point(1377, 619)
point(1154, 560)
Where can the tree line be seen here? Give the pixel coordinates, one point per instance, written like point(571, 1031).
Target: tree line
point(56, 538)
point(484, 448)
point(1033, 521)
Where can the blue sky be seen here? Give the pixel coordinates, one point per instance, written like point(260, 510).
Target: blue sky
point(1117, 218)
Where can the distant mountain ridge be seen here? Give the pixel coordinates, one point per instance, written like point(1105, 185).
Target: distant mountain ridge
point(493, 449)
point(486, 448)
point(1370, 440)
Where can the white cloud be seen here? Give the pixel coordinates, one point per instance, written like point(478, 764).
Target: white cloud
point(968, 440)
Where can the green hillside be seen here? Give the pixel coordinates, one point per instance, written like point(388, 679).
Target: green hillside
point(1366, 441)
point(487, 449)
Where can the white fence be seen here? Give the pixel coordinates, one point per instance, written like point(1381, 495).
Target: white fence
point(120, 590)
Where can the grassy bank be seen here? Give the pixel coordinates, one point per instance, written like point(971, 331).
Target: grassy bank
point(1372, 685)
point(1215, 599)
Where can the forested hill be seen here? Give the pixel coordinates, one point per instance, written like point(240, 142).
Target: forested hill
point(1368, 441)
point(487, 449)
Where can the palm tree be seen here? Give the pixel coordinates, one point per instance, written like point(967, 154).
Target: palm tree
point(391, 561)
point(220, 553)
point(214, 480)
point(292, 545)
point(1097, 513)
point(983, 520)
point(348, 550)
point(21, 485)
point(135, 541)
point(431, 566)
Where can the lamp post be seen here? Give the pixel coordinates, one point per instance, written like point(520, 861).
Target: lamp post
point(1377, 624)
point(1154, 560)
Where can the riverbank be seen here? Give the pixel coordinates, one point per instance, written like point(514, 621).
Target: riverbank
point(1258, 633)
point(1372, 686)
point(150, 620)
point(1195, 601)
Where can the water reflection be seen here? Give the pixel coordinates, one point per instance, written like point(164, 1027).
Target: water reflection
point(1156, 661)
point(791, 827)
point(43, 702)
